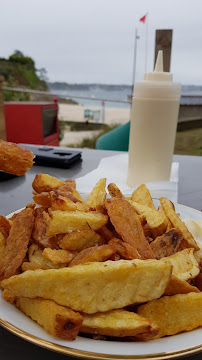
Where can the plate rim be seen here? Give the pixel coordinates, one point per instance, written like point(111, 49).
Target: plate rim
point(95, 355)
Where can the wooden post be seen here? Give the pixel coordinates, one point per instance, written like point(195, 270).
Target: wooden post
point(164, 42)
point(2, 119)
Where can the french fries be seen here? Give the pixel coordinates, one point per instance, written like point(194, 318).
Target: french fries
point(44, 182)
point(97, 197)
point(80, 240)
point(174, 314)
point(185, 265)
point(2, 245)
point(178, 286)
point(97, 286)
point(93, 254)
point(178, 223)
point(57, 256)
point(156, 222)
point(16, 243)
point(102, 266)
point(58, 320)
point(119, 323)
point(167, 244)
point(65, 221)
point(142, 196)
point(127, 224)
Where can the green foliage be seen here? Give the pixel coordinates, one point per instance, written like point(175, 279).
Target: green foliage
point(19, 71)
point(62, 126)
point(91, 142)
point(85, 126)
point(189, 142)
point(24, 60)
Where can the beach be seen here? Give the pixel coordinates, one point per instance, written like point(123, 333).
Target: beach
point(111, 116)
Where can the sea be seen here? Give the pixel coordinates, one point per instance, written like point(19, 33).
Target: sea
point(118, 97)
point(96, 96)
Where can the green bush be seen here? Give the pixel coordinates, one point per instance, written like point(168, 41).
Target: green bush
point(19, 71)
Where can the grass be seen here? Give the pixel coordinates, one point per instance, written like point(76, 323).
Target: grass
point(82, 125)
point(189, 142)
point(90, 142)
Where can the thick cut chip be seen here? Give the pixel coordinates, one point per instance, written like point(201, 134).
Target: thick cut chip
point(71, 183)
point(162, 212)
point(174, 314)
point(155, 221)
point(15, 159)
point(2, 245)
point(185, 265)
point(125, 250)
point(66, 190)
point(114, 191)
point(95, 253)
point(141, 195)
point(80, 240)
point(69, 193)
point(118, 323)
point(42, 199)
point(38, 261)
point(127, 224)
point(40, 229)
point(65, 221)
point(45, 182)
point(26, 265)
point(57, 256)
point(57, 320)
point(8, 296)
point(178, 286)
point(167, 244)
point(66, 201)
point(17, 243)
point(5, 226)
point(95, 287)
point(106, 233)
point(188, 241)
point(198, 281)
point(96, 198)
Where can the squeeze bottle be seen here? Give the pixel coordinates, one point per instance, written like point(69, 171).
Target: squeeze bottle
point(154, 115)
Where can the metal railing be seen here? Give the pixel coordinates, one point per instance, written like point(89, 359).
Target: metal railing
point(61, 97)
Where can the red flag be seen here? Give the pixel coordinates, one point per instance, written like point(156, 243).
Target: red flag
point(143, 19)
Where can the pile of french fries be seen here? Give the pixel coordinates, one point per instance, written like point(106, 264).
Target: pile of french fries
point(106, 265)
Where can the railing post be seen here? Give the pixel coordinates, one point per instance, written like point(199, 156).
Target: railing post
point(103, 111)
point(2, 118)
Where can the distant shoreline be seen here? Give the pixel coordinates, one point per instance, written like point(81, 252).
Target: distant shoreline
point(63, 86)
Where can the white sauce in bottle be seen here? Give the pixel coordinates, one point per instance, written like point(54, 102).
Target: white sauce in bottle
point(155, 107)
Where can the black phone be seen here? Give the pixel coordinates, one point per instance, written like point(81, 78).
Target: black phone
point(53, 156)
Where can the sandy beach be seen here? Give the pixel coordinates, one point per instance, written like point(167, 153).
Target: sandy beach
point(111, 116)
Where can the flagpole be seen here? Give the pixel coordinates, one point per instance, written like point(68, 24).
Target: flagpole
point(146, 42)
point(134, 57)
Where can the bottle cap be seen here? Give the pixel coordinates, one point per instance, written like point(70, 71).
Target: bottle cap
point(157, 84)
point(158, 74)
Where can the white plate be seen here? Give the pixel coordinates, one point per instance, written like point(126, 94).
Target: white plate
point(166, 348)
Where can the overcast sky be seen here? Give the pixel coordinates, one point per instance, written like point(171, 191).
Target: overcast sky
point(92, 41)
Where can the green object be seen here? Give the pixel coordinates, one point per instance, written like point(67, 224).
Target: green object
point(88, 114)
point(92, 115)
point(116, 139)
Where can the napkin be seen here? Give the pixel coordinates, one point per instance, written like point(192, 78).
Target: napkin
point(115, 168)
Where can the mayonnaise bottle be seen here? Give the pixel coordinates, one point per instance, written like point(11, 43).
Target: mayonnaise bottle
point(154, 115)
